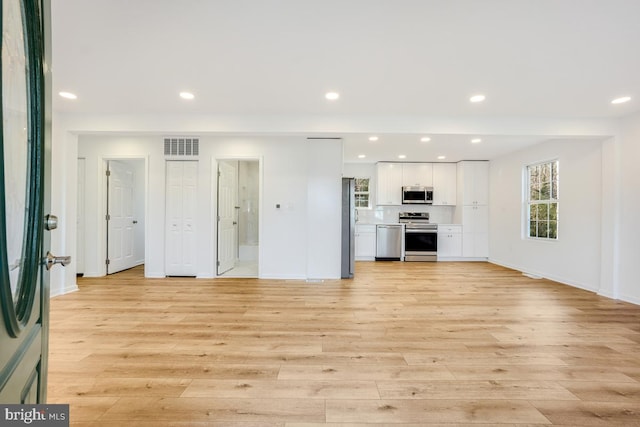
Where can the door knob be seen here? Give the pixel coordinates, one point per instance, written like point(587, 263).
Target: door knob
point(50, 222)
point(52, 260)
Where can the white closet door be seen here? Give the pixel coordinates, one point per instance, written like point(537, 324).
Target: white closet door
point(180, 241)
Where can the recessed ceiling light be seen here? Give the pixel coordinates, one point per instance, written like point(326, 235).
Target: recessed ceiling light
point(373, 138)
point(361, 156)
point(476, 141)
point(477, 98)
point(402, 156)
point(621, 100)
point(68, 95)
point(425, 139)
point(442, 157)
point(332, 96)
point(186, 95)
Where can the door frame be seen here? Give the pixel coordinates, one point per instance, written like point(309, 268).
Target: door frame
point(102, 207)
point(214, 207)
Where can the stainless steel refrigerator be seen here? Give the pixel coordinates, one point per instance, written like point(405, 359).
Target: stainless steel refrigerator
point(348, 228)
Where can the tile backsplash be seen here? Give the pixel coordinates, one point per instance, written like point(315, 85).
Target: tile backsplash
point(389, 214)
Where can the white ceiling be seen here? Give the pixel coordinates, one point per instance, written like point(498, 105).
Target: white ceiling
point(415, 58)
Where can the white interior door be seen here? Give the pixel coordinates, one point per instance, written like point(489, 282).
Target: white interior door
point(227, 222)
point(120, 225)
point(182, 178)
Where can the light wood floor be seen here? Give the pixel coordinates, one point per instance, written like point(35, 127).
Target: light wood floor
point(403, 343)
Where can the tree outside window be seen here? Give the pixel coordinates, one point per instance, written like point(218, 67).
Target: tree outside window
point(362, 192)
point(542, 184)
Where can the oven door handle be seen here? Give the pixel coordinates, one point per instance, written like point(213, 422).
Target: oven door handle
point(421, 231)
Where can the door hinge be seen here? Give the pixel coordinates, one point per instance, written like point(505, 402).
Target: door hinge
point(218, 263)
point(219, 174)
point(218, 217)
point(108, 173)
point(107, 261)
point(107, 217)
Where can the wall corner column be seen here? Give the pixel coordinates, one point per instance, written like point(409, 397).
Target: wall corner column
point(610, 203)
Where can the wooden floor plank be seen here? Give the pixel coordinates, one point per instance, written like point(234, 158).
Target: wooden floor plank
point(434, 411)
point(282, 389)
point(437, 344)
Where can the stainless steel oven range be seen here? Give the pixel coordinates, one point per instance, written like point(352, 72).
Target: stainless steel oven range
point(420, 237)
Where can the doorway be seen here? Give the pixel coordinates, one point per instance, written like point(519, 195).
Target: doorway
point(125, 214)
point(238, 215)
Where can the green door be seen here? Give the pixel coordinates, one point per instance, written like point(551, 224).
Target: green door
point(24, 288)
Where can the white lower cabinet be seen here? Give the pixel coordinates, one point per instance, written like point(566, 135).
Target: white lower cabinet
point(475, 245)
point(475, 239)
point(449, 241)
point(365, 242)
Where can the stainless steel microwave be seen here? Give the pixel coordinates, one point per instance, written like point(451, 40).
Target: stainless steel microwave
point(417, 195)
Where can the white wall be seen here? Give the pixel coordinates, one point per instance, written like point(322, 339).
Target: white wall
point(286, 177)
point(575, 257)
point(324, 181)
point(96, 150)
point(628, 249)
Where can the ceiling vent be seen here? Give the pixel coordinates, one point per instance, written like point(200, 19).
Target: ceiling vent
point(181, 147)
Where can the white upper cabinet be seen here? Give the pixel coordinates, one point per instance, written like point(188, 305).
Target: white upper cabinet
point(444, 184)
point(389, 185)
point(474, 179)
point(417, 174)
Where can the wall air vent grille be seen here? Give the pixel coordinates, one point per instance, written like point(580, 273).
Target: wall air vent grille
point(181, 147)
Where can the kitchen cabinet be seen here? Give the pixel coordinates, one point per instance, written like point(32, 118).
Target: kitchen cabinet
point(475, 219)
point(449, 241)
point(475, 245)
point(473, 210)
point(475, 238)
point(444, 184)
point(473, 182)
point(365, 242)
point(417, 174)
point(389, 184)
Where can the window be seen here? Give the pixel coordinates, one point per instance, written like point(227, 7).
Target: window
point(362, 193)
point(542, 200)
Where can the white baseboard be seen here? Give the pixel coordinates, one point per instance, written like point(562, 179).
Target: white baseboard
point(155, 275)
point(270, 277)
point(66, 290)
point(631, 299)
point(538, 274)
point(93, 274)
